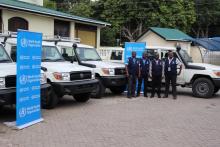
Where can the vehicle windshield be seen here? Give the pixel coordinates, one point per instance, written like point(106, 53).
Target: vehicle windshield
point(185, 56)
point(4, 58)
point(51, 54)
point(88, 54)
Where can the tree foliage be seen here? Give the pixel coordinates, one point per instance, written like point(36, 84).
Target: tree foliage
point(129, 18)
point(207, 15)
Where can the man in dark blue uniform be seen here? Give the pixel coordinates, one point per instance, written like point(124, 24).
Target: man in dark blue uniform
point(170, 71)
point(156, 73)
point(143, 74)
point(132, 71)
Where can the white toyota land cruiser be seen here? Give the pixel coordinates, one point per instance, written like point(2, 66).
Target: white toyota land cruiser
point(66, 79)
point(204, 79)
point(110, 75)
point(8, 81)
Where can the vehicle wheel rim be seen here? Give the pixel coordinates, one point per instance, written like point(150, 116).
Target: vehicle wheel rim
point(203, 88)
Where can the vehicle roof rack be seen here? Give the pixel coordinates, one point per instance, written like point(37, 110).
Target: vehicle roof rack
point(57, 39)
point(7, 35)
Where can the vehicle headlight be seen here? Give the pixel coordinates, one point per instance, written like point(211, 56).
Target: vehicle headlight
point(62, 76)
point(108, 71)
point(217, 73)
point(93, 75)
point(43, 78)
point(2, 82)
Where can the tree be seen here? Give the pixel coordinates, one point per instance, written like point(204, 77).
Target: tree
point(130, 18)
point(207, 15)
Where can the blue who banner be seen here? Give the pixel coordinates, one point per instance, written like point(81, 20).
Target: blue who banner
point(138, 47)
point(28, 108)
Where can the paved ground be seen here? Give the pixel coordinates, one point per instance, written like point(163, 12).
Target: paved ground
point(115, 121)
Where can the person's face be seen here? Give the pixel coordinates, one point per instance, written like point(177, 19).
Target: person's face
point(144, 55)
point(133, 54)
point(157, 56)
point(170, 54)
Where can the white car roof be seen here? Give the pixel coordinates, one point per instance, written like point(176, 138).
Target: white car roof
point(69, 44)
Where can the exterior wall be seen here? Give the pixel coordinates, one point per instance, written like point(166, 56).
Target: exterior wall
point(196, 54)
point(153, 39)
point(36, 2)
point(36, 23)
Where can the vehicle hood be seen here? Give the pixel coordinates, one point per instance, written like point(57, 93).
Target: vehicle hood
point(63, 67)
point(7, 69)
point(105, 64)
point(207, 66)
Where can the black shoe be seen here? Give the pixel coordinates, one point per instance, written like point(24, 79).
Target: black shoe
point(151, 96)
point(133, 96)
point(159, 96)
point(165, 96)
point(129, 97)
point(146, 96)
point(174, 97)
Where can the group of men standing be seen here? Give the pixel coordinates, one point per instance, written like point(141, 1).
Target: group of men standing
point(156, 69)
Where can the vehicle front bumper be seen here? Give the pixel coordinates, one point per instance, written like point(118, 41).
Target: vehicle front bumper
point(111, 81)
point(74, 87)
point(7, 96)
point(217, 82)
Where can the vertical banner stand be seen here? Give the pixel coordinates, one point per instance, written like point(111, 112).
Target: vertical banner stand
point(28, 107)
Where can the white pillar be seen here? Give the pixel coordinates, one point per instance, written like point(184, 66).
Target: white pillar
point(72, 29)
point(98, 38)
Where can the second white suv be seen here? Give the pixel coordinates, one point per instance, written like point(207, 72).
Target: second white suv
point(110, 75)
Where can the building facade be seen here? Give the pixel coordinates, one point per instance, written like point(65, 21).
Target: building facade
point(32, 16)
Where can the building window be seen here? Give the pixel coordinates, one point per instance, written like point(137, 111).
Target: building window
point(61, 28)
point(16, 23)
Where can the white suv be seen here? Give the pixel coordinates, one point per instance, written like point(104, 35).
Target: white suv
point(78, 81)
point(204, 79)
point(8, 81)
point(110, 75)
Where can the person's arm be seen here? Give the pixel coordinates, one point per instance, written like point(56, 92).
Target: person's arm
point(126, 68)
point(150, 70)
point(163, 68)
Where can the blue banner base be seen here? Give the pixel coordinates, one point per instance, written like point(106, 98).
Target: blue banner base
point(29, 124)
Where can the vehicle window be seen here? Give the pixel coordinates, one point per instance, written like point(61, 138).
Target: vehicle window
point(116, 55)
point(185, 56)
point(13, 53)
point(3, 55)
point(88, 54)
point(68, 53)
point(50, 53)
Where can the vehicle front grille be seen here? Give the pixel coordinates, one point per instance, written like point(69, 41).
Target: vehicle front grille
point(120, 71)
point(10, 81)
point(80, 75)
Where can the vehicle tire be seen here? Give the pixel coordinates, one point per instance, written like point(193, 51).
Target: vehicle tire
point(216, 90)
point(203, 88)
point(100, 90)
point(82, 97)
point(50, 101)
point(118, 89)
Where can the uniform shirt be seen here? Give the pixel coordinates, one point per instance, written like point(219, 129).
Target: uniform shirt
point(157, 63)
point(178, 63)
